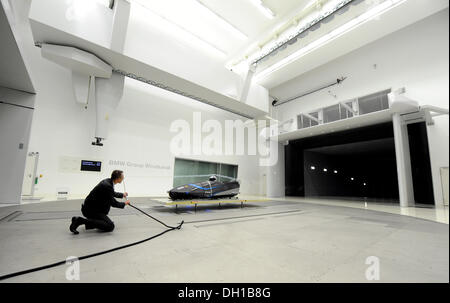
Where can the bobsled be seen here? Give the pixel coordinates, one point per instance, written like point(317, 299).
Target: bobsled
point(210, 189)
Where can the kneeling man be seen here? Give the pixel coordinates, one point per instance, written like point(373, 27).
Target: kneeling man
point(97, 204)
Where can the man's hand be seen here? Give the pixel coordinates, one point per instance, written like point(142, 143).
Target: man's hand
point(125, 194)
point(127, 202)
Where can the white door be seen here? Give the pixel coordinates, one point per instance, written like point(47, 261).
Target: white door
point(29, 175)
point(15, 125)
point(444, 180)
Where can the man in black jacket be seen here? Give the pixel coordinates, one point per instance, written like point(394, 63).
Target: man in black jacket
point(97, 204)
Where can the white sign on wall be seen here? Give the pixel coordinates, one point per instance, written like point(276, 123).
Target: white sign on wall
point(137, 165)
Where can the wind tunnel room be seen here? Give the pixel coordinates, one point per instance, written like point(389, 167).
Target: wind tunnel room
point(222, 150)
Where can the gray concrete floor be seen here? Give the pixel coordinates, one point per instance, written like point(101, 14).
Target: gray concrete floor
point(276, 241)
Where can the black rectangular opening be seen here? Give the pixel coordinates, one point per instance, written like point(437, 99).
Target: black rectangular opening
point(358, 163)
point(420, 163)
point(364, 161)
point(89, 165)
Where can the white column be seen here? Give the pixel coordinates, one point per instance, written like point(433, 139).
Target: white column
point(275, 175)
point(247, 83)
point(120, 25)
point(15, 126)
point(405, 182)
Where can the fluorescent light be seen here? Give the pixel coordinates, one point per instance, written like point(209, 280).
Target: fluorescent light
point(298, 30)
point(264, 9)
point(310, 3)
point(80, 9)
point(106, 3)
point(166, 25)
point(224, 23)
point(367, 16)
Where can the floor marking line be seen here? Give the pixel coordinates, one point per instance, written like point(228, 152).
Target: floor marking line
point(11, 216)
point(247, 216)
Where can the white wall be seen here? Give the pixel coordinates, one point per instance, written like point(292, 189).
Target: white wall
point(16, 107)
point(154, 41)
point(15, 124)
point(139, 134)
point(415, 57)
point(62, 131)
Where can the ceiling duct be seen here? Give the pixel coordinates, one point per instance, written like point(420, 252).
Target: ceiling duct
point(340, 8)
point(356, 2)
point(343, 10)
point(328, 19)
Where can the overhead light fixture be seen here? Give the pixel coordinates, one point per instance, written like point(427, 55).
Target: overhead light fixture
point(352, 178)
point(292, 34)
point(325, 169)
point(310, 3)
point(313, 167)
point(360, 20)
point(335, 171)
point(224, 23)
point(365, 184)
point(264, 9)
point(80, 9)
point(177, 30)
point(107, 3)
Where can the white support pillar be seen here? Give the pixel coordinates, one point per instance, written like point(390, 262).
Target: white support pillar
point(247, 83)
point(275, 185)
point(402, 154)
point(120, 25)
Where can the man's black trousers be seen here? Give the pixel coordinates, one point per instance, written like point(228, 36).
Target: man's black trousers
point(97, 220)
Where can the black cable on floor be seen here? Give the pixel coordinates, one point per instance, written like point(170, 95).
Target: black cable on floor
point(172, 227)
point(19, 273)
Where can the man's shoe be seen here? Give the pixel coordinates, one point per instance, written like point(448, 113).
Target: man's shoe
point(73, 227)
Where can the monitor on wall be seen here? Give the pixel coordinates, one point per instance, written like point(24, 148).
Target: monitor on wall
point(88, 165)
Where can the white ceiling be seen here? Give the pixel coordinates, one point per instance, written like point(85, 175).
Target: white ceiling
point(401, 16)
point(245, 16)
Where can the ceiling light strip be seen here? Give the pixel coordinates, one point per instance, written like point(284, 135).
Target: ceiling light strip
point(182, 29)
point(264, 9)
point(224, 22)
point(363, 18)
point(305, 28)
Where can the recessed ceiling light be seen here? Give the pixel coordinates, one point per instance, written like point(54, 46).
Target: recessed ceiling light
point(264, 9)
point(167, 25)
point(107, 3)
point(224, 23)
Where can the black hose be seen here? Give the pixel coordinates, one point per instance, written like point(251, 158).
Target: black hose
point(172, 227)
point(23, 272)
